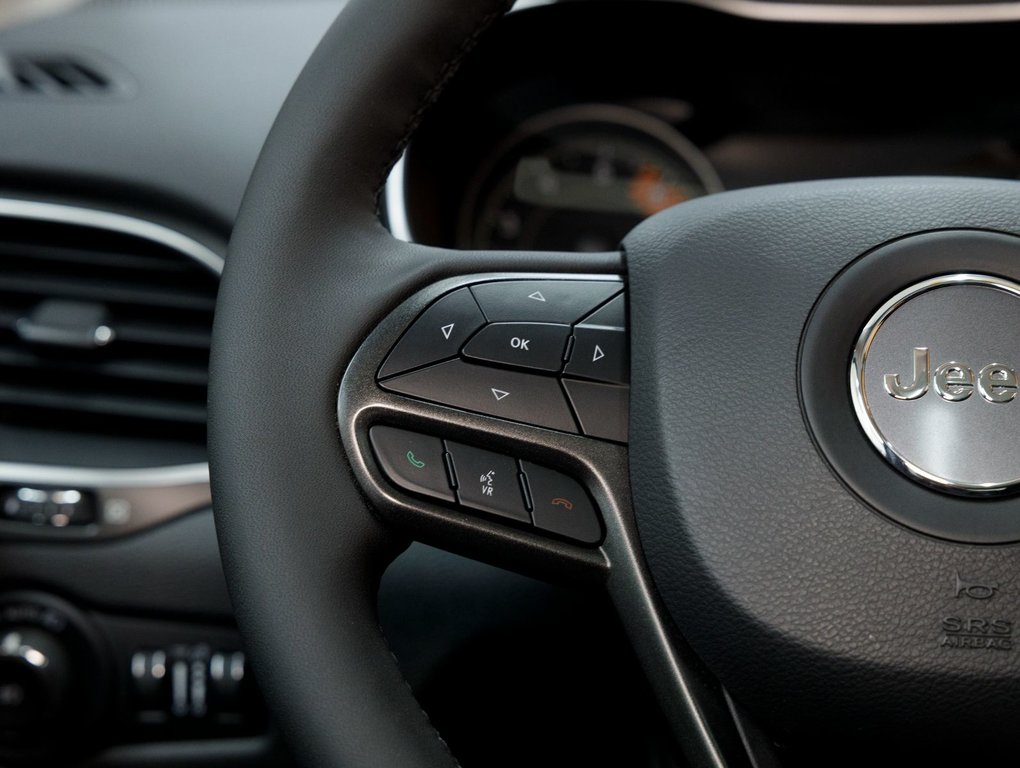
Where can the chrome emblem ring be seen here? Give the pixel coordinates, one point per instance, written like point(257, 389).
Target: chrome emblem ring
point(934, 383)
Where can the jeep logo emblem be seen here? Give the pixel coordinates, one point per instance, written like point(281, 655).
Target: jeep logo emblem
point(933, 377)
point(953, 381)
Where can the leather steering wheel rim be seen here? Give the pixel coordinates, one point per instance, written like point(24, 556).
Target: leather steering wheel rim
point(308, 605)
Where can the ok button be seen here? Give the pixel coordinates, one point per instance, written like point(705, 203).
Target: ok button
point(539, 346)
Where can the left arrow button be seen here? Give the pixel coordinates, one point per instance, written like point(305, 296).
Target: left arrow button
point(437, 334)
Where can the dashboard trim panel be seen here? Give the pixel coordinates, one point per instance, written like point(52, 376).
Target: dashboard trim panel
point(127, 500)
point(130, 499)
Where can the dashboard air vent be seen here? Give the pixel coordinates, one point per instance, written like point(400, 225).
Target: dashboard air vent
point(103, 331)
point(52, 76)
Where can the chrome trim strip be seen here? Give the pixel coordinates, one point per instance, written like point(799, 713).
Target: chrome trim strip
point(115, 222)
point(14, 473)
point(648, 629)
point(396, 202)
point(129, 499)
point(839, 13)
point(859, 396)
point(819, 13)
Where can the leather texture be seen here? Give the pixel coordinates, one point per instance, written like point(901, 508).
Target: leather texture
point(310, 270)
point(816, 612)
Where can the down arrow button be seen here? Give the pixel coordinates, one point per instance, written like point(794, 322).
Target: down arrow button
point(513, 395)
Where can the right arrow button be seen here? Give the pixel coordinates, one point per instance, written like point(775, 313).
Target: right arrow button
point(599, 353)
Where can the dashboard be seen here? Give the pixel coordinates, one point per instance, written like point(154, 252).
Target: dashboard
point(128, 130)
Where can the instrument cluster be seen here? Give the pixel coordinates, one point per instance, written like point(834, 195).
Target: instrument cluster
point(548, 146)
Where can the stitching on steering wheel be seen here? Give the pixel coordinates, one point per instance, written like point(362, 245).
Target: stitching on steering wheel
point(446, 72)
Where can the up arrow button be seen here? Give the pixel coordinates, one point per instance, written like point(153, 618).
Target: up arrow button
point(543, 301)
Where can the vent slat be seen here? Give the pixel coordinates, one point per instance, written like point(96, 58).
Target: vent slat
point(93, 290)
point(64, 281)
point(67, 255)
point(137, 408)
point(53, 77)
point(70, 75)
point(33, 78)
point(136, 370)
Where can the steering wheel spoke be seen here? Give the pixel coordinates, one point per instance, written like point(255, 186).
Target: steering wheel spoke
point(539, 486)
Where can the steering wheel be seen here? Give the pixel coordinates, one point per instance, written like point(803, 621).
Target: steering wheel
point(811, 505)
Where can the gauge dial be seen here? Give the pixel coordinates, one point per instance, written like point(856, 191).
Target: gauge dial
point(580, 178)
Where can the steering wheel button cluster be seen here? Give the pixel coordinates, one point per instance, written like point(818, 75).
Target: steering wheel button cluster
point(539, 346)
point(488, 482)
point(508, 394)
point(412, 461)
point(547, 301)
point(436, 335)
point(602, 409)
point(560, 505)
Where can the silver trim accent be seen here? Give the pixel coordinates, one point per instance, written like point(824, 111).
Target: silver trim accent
point(819, 13)
point(848, 13)
point(131, 499)
point(860, 398)
point(13, 473)
point(115, 222)
point(396, 201)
